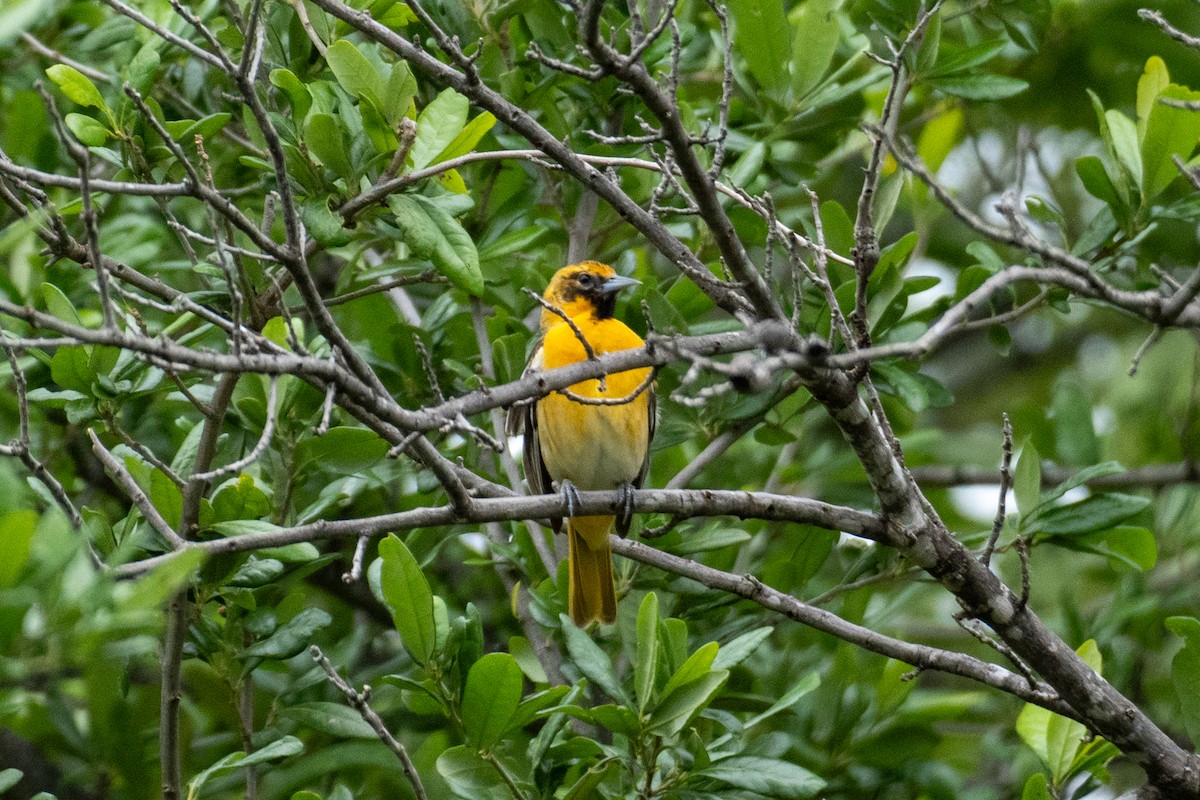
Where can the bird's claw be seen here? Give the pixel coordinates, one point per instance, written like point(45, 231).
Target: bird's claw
point(624, 509)
point(571, 495)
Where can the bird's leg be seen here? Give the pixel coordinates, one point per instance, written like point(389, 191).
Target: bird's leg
point(624, 509)
point(568, 491)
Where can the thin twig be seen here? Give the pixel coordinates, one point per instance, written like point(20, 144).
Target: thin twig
point(1005, 482)
point(360, 702)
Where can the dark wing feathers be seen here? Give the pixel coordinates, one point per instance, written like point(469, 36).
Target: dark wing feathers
point(523, 419)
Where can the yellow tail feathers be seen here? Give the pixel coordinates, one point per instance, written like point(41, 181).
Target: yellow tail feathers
point(591, 592)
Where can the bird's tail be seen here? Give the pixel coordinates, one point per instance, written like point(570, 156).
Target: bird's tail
point(591, 592)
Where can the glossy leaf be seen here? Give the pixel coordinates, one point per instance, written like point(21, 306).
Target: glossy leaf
point(770, 777)
point(407, 593)
point(77, 87)
point(438, 125)
point(592, 661)
point(646, 665)
point(1056, 739)
point(280, 748)
point(490, 699)
point(432, 233)
point(292, 638)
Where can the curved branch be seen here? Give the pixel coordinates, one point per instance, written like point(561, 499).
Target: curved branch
point(923, 657)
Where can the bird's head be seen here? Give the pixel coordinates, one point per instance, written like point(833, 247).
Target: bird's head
point(588, 287)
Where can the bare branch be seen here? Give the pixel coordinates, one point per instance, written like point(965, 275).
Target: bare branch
point(922, 656)
point(360, 702)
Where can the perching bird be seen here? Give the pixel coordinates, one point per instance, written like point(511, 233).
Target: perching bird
point(580, 445)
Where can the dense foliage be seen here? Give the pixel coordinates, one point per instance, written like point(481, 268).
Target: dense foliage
point(294, 226)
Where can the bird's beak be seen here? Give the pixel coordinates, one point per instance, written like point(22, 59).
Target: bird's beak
point(617, 283)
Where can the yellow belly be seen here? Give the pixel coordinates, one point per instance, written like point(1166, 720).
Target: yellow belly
point(594, 447)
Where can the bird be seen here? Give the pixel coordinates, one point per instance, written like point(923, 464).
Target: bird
point(591, 446)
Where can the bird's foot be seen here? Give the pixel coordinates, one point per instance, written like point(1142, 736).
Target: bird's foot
point(624, 509)
point(571, 495)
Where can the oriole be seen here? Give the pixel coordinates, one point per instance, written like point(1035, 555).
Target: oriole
point(588, 446)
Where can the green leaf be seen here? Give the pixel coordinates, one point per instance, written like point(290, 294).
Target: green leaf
point(280, 748)
point(18, 528)
point(377, 128)
point(587, 656)
point(1185, 672)
point(523, 652)
point(297, 93)
point(1082, 477)
point(1125, 144)
point(618, 719)
point(1036, 788)
point(771, 777)
point(87, 130)
point(806, 685)
point(1056, 739)
point(698, 664)
point(243, 527)
point(814, 42)
point(438, 124)
point(979, 86)
point(291, 638)
point(323, 135)
point(712, 538)
point(468, 775)
point(1170, 131)
point(353, 71)
point(323, 224)
point(646, 666)
point(470, 641)
point(1090, 514)
point(153, 590)
point(931, 46)
point(740, 648)
point(240, 499)
point(407, 592)
point(763, 37)
point(467, 138)
point(1125, 545)
point(335, 719)
point(1150, 85)
point(432, 233)
point(586, 788)
point(398, 96)
point(140, 71)
point(1027, 480)
point(679, 704)
point(939, 137)
point(490, 699)
point(167, 497)
point(968, 59)
point(77, 87)
point(534, 706)
point(341, 450)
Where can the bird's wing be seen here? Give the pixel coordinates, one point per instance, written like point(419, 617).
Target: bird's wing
point(652, 422)
point(523, 419)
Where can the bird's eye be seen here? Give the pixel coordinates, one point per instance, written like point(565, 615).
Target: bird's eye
point(586, 279)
